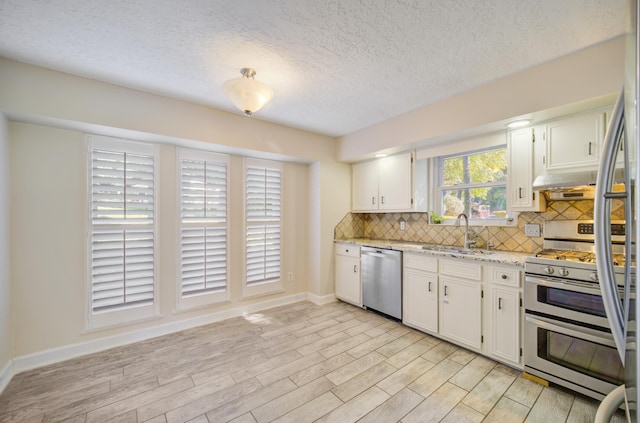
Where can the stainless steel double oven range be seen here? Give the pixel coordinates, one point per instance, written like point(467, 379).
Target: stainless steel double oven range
point(567, 339)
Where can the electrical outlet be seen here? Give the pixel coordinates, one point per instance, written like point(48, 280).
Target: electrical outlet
point(290, 276)
point(532, 229)
point(402, 223)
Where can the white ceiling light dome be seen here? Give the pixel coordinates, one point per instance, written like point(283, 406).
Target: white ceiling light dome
point(246, 93)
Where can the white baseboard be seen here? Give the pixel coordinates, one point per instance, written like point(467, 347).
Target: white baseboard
point(321, 299)
point(67, 352)
point(5, 375)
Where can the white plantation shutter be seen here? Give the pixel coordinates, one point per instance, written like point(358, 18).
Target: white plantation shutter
point(122, 269)
point(263, 186)
point(122, 187)
point(263, 253)
point(203, 225)
point(122, 240)
point(204, 190)
point(263, 194)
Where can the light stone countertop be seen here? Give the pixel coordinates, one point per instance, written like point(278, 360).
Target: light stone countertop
point(494, 256)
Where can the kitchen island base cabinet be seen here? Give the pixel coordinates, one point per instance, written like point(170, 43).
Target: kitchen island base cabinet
point(347, 276)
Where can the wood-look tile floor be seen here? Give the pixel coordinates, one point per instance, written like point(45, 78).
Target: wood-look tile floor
point(296, 363)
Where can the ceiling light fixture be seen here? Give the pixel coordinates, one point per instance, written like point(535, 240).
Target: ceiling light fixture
point(246, 93)
point(518, 123)
point(379, 155)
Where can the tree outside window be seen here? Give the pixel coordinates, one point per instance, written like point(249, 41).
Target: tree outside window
point(475, 184)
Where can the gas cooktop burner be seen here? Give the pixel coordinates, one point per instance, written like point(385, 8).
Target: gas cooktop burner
point(576, 256)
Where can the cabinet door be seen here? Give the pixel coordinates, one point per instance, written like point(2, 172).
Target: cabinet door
point(575, 143)
point(520, 195)
point(420, 300)
point(461, 311)
point(365, 186)
point(505, 317)
point(394, 188)
point(348, 279)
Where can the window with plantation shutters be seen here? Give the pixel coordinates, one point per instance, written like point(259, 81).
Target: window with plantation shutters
point(263, 199)
point(203, 227)
point(122, 230)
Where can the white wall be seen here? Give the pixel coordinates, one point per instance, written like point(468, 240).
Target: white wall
point(49, 113)
point(48, 209)
point(6, 331)
point(590, 73)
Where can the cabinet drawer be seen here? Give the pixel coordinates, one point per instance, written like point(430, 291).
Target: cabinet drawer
point(348, 250)
point(461, 268)
point(421, 262)
point(509, 277)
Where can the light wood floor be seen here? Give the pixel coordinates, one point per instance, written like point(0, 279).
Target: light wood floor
point(297, 363)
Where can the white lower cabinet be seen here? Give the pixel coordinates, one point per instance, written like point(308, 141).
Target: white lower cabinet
point(505, 314)
point(474, 304)
point(420, 292)
point(461, 311)
point(438, 302)
point(461, 301)
point(347, 276)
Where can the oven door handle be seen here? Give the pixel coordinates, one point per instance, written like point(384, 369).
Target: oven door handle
point(585, 288)
point(587, 334)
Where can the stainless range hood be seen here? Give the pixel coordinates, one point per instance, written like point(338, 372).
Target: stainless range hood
point(570, 186)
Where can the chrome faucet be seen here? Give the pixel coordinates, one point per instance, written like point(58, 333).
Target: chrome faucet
point(467, 242)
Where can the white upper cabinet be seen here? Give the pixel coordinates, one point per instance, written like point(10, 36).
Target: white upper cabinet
point(385, 184)
point(575, 143)
point(520, 149)
point(365, 186)
point(394, 182)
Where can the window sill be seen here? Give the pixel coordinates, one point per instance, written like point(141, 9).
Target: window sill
point(506, 222)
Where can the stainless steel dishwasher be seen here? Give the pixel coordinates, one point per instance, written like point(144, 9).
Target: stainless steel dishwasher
point(382, 280)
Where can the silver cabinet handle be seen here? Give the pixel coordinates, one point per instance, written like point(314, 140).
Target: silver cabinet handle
point(519, 192)
point(589, 147)
point(382, 200)
point(429, 287)
point(373, 200)
point(499, 303)
point(355, 268)
point(445, 290)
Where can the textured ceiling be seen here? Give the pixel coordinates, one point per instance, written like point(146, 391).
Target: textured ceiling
point(335, 66)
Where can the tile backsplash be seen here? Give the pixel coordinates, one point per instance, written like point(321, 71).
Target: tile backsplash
point(418, 229)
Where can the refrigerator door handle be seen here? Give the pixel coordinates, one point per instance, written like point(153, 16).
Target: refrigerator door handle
point(602, 230)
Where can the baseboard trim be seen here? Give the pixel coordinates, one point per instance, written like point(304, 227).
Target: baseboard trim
point(67, 352)
point(5, 375)
point(321, 299)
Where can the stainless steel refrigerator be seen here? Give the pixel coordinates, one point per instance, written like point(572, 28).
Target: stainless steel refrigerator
point(620, 161)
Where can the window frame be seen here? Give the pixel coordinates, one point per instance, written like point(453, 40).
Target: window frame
point(438, 189)
point(266, 287)
point(137, 313)
point(209, 298)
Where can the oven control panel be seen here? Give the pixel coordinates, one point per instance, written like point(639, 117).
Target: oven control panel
point(587, 229)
